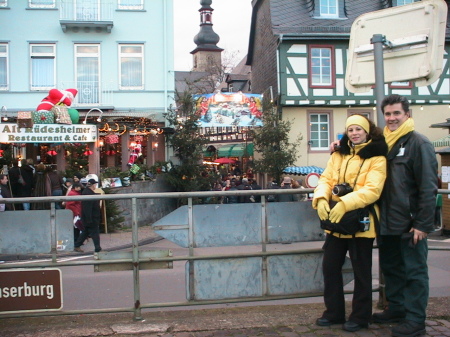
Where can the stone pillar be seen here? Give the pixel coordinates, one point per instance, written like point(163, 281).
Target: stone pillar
point(94, 158)
point(125, 143)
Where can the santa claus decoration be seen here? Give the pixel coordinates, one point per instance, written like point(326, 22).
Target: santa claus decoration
point(136, 152)
point(56, 96)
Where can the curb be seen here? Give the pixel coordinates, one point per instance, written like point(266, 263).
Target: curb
point(72, 253)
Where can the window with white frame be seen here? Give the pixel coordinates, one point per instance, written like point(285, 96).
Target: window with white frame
point(329, 8)
point(41, 3)
point(319, 131)
point(3, 3)
point(43, 66)
point(87, 72)
point(321, 66)
point(131, 4)
point(4, 76)
point(131, 71)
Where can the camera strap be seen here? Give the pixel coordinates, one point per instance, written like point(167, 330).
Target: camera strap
point(357, 175)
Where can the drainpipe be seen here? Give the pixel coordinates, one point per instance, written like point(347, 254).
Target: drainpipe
point(280, 41)
point(165, 68)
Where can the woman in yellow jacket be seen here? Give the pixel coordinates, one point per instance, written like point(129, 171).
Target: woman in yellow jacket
point(360, 162)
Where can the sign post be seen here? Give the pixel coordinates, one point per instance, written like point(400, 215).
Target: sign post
point(406, 41)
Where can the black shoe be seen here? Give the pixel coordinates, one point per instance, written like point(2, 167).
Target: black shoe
point(408, 329)
point(352, 326)
point(388, 316)
point(78, 250)
point(326, 322)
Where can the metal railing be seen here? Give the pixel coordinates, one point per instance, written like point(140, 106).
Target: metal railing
point(91, 93)
point(73, 10)
point(136, 260)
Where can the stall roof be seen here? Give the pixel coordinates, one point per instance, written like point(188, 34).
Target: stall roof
point(235, 150)
point(303, 170)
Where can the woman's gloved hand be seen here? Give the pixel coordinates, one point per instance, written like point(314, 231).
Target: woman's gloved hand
point(337, 212)
point(323, 209)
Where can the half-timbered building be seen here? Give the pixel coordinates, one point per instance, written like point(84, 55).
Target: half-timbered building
point(298, 51)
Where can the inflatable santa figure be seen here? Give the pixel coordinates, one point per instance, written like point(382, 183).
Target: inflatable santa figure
point(56, 96)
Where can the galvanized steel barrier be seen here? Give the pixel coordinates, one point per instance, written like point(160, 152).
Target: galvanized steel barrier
point(136, 260)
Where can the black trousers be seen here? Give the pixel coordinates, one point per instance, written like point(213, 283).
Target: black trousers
point(406, 277)
point(92, 231)
point(360, 250)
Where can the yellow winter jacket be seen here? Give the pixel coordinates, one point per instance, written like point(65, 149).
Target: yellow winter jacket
point(364, 168)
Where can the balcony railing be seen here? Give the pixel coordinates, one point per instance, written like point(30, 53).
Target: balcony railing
point(91, 93)
point(92, 14)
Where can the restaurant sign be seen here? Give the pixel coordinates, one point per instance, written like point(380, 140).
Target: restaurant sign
point(48, 133)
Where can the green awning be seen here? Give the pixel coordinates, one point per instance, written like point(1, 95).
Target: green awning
point(235, 150)
point(444, 141)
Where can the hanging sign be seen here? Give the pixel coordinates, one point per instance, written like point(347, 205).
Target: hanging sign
point(48, 133)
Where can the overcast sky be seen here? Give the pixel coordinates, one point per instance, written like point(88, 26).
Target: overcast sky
point(231, 21)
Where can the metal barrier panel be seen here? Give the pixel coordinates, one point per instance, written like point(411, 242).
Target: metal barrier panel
point(245, 277)
point(30, 232)
point(219, 225)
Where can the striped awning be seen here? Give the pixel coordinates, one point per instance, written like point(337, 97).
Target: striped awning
point(444, 141)
point(303, 170)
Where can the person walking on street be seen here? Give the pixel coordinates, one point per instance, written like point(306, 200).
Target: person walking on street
point(287, 184)
point(56, 185)
point(16, 186)
point(26, 191)
point(5, 191)
point(407, 216)
point(75, 207)
point(90, 217)
point(360, 166)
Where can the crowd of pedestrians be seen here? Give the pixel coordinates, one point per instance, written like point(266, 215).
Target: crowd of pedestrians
point(26, 180)
point(231, 182)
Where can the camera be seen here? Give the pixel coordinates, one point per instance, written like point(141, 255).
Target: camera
point(342, 189)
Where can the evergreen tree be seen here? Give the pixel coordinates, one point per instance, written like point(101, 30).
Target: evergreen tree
point(271, 141)
point(188, 173)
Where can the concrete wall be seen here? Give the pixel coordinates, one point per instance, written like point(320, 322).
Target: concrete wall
point(148, 210)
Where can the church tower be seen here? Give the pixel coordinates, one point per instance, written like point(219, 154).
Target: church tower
point(207, 55)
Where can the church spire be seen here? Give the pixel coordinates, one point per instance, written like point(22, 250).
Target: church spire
point(207, 53)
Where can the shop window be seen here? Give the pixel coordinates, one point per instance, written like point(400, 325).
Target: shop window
point(43, 69)
point(4, 60)
point(131, 4)
point(319, 131)
point(321, 66)
point(131, 66)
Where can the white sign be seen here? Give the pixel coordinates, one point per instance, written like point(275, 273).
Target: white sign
point(414, 49)
point(445, 174)
point(48, 133)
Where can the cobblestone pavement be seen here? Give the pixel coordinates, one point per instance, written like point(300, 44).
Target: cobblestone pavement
point(434, 328)
point(261, 320)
